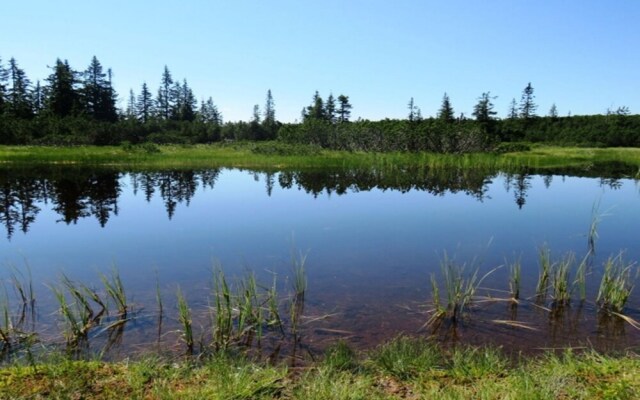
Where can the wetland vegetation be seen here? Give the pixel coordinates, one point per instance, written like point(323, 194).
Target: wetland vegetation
point(567, 322)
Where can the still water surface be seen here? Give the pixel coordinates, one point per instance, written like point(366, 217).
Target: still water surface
point(372, 239)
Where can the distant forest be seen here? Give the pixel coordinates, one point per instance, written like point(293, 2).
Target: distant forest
point(76, 107)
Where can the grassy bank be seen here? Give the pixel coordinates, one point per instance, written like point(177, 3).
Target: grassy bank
point(279, 156)
point(403, 368)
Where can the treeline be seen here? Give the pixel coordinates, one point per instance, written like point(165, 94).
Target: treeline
point(74, 107)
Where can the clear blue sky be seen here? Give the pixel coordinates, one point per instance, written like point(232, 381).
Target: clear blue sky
point(580, 54)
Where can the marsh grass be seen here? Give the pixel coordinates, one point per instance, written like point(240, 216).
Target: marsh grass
point(184, 317)
point(406, 358)
point(244, 155)
point(223, 311)
point(244, 312)
point(460, 288)
point(299, 279)
point(515, 279)
point(616, 285)
point(160, 307)
point(402, 368)
point(23, 287)
point(115, 290)
point(561, 288)
point(544, 275)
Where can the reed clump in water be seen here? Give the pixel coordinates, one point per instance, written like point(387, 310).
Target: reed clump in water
point(616, 285)
point(186, 323)
point(459, 288)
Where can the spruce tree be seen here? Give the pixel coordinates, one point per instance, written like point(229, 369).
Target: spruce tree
point(187, 103)
point(446, 112)
point(4, 75)
point(414, 111)
point(38, 99)
point(19, 97)
point(330, 109)
point(63, 96)
point(165, 93)
point(344, 108)
point(483, 110)
point(269, 121)
point(527, 105)
point(553, 111)
point(144, 104)
point(209, 113)
point(316, 109)
point(98, 95)
point(513, 110)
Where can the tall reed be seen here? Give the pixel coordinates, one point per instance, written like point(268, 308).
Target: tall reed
point(460, 289)
point(515, 278)
point(115, 290)
point(560, 281)
point(223, 315)
point(616, 285)
point(544, 259)
point(299, 273)
point(184, 317)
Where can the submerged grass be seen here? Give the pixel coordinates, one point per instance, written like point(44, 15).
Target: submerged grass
point(402, 368)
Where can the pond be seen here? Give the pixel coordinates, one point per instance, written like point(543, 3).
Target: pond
point(372, 240)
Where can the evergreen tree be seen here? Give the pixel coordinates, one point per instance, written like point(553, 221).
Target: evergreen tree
point(527, 105)
point(269, 122)
point(414, 111)
point(38, 99)
point(483, 110)
point(256, 132)
point(344, 108)
point(19, 98)
point(98, 95)
point(63, 97)
point(209, 113)
point(175, 101)
point(255, 119)
point(4, 75)
point(513, 110)
point(330, 109)
point(187, 103)
point(165, 94)
point(446, 112)
point(553, 111)
point(316, 109)
point(110, 99)
point(132, 110)
point(144, 104)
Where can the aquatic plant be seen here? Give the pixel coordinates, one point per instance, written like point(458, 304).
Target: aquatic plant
point(223, 311)
point(515, 275)
point(115, 290)
point(581, 278)
point(184, 317)
point(544, 259)
point(76, 317)
point(299, 273)
point(160, 306)
point(460, 289)
point(560, 281)
point(616, 285)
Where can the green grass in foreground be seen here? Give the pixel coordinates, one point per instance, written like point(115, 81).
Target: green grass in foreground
point(403, 368)
point(281, 156)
